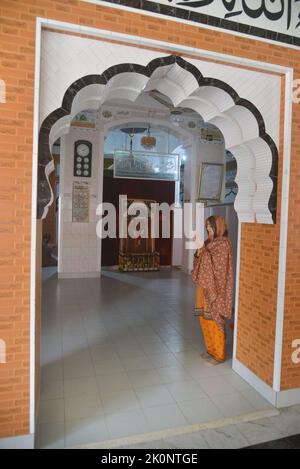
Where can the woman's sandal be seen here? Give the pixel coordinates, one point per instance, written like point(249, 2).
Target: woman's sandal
point(207, 357)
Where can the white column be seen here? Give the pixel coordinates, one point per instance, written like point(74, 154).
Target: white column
point(78, 242)
point(101, 139)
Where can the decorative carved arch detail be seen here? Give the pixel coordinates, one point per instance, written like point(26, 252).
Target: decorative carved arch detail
point(260, 195)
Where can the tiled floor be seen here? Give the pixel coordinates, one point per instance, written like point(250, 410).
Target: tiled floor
point(263, 433)
point(121, 357)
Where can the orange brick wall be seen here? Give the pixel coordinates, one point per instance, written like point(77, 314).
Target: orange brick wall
point(17, 46)
point(290, 377)
point(259, 284)
point(258, 299)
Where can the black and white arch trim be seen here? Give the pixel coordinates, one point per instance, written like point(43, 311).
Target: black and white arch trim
point(218, 103)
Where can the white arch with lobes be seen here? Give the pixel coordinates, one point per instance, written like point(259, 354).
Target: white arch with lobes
point(237, 122)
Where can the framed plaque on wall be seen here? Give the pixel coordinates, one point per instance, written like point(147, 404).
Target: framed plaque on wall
point(146, 165)
point(211, 181)
point(80, 202)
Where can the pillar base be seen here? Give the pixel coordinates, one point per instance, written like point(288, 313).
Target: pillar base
point(277, 399)
point(62, 275)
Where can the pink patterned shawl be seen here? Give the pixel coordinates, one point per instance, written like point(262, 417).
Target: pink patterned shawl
point(213, 271)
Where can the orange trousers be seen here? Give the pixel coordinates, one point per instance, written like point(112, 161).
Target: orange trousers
point(215, 339)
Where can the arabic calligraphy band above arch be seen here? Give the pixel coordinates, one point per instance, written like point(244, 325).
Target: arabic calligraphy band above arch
point(218, 103)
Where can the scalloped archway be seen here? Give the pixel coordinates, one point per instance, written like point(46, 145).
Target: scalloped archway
point(217, 102)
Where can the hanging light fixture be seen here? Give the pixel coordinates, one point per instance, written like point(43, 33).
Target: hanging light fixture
point(131, 135)
point(131, 131)
point(147, 141)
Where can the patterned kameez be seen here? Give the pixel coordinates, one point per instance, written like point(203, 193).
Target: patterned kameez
point(213, 275)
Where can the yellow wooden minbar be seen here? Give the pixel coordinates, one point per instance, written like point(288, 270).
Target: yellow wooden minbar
point(139, 262)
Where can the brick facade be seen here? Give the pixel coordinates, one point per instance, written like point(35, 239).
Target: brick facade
point(260, 243)
point(259, 285)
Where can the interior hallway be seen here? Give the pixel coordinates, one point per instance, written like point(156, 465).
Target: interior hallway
point(121, 357)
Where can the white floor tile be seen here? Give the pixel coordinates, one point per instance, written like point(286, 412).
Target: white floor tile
point(50, 436)
point(152, 348)
point(126, 424)
point(108, 359)
point(52, 411)
point(216, 386)
point(188, 357)
point(236, 381)
point(164, 416)
point(137, 363)
point(173, 374)
point(115, 367)
point(73, 371)
point(102, 352)
point(52, 372)
point(130, 352)
point(163, 359)
point(52, 390)
point(84, 431)
point(108, 368)
point(202, 370)
point(119, 402)
point(186, 391)
point(114, 382)
point(83, 407)
point(200, 411)
point(256, 400)
point(233, 405)
point(79, 387)
point(177, 346)
point(142, 378)
point(154, 395)
point(80, 357)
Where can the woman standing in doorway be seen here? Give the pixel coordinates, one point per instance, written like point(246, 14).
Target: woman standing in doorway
point(213, 275)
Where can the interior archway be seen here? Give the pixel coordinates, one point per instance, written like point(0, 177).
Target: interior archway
point(127, 132)
point(240, 122)
point(245, 137)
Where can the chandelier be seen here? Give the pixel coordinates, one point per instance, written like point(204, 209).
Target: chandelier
point(147, 141)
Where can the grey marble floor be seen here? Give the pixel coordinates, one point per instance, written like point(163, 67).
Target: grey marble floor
point(121, 357)
point(233, 436)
